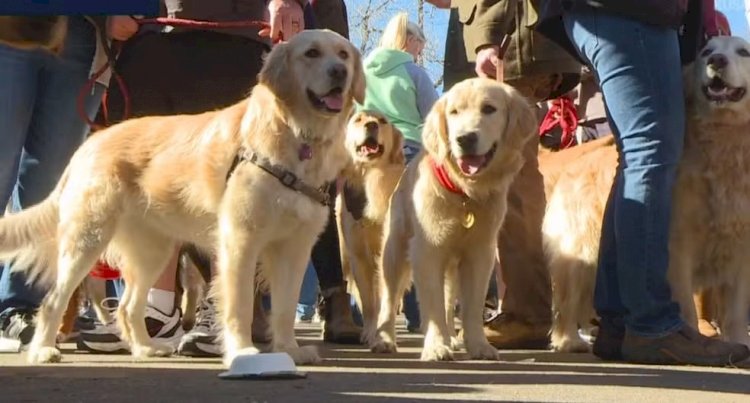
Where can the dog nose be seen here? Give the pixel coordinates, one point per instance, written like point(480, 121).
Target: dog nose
point(468, 142)
point(337, 72)
point(371, 126)
point(717, 61)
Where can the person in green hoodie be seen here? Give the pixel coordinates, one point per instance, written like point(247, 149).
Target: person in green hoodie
point(400, 89)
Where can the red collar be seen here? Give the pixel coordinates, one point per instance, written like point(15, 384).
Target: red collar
point(442, 176)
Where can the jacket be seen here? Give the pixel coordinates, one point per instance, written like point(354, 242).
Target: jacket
point(486, 22)
point(218, 10)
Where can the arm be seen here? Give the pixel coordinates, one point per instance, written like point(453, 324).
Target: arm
point(493, 20)
point(426, 94)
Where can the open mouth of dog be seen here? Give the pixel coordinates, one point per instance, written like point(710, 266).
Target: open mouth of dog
point(370, 149)
point(717, 90)
point(332, 102)
point(471, 165)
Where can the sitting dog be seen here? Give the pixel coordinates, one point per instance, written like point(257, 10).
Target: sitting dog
point(376, 149)
point(447, 210)
point(246, 182)
point(710, 229)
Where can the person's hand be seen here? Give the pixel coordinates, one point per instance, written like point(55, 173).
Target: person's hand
point(488, 60)
point(121, 27)
point(286, 19)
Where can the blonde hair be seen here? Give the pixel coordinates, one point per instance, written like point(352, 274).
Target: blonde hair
point(397, 32)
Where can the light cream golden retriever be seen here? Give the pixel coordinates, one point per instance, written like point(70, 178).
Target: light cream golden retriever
point(136, 189)
point(376, 149)
point(446, 212)
point(710, 234)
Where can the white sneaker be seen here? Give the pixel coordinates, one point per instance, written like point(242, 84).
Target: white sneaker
point(202, 340)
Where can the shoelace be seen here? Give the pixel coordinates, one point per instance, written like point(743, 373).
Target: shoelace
point(206, 315)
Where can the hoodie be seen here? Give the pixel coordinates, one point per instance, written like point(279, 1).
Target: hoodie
point(399, 89)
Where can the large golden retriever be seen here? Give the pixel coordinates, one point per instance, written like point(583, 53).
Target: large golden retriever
point(447, 210)
point(33, 32)
point(376, 149)
point(246, 182)
point(710, 230)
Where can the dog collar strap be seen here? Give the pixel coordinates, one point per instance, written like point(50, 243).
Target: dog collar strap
point(286, 177)
point(445, 181)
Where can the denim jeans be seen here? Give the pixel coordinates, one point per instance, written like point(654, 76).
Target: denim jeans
point(638, 66)
point(308, 295)
point(41, 129)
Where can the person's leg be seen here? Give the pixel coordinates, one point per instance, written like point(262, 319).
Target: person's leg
point(638, 66)
point(54, 130)
point(308, 295)
point(335, 308)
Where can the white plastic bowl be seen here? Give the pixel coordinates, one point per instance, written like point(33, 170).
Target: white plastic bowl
point(263, 366)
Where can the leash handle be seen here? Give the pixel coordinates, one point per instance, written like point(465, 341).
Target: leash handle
point(500, 66)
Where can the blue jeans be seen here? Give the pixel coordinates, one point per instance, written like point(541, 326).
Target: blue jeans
point(308, 294)
point(638, 66)
point(41, 129)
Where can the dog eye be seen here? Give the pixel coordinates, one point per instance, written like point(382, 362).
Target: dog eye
point(382, 121)
point(344, 55)
point(488, 109)
point(743, 52)
point(312, 53)
point(453, 111)
point(706, 52)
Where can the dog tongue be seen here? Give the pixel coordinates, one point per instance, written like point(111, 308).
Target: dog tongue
point(471, 164)
point(334, 102)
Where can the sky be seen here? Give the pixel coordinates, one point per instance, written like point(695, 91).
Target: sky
point(436, 23)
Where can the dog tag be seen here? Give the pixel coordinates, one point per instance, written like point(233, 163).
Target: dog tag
point(468, 221)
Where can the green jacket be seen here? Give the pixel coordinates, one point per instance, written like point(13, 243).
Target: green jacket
point(485, 22)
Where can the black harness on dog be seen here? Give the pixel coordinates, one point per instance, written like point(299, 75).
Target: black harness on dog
point(285, 176)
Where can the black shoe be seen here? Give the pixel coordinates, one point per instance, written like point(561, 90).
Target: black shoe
point(608, 341)
point(18, 326)
point(686, 346)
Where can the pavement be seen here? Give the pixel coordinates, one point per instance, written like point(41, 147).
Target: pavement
point(353, 374)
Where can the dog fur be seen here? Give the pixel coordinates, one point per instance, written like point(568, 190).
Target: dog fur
point(135, 190)
point(424, 231)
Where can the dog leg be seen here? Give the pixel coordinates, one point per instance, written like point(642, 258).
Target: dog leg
point(145, 254)
point(365, 271)
point(97, 291)
point(451, 282)
point(572, 299)
point(394, 279)
point(287, 262)
point(734, 311)
point(474, 279)
point(429, 277)
point(680, 275)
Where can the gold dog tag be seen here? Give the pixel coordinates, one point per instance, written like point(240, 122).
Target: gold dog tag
point(468, 221)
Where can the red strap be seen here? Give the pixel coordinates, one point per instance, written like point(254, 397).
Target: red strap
point(561, 113)
point(104, 271)
point(442, 176)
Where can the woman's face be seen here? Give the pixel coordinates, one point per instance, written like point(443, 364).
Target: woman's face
point(414, 46)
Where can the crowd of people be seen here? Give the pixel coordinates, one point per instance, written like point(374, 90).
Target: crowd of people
point(579, 50)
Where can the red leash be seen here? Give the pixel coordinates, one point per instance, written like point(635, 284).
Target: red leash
point(562, 112)
point(112, 53)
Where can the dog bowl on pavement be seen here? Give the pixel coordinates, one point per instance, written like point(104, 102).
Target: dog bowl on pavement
point(263, 366)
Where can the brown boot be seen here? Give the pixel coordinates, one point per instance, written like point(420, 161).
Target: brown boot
point(506, 331)
point(336, 311)
point(262, 332)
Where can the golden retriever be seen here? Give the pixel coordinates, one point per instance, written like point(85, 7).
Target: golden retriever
point(376, 149)
point(220, 180)
point(446, 212)
point(710, 230)
point(37, 32)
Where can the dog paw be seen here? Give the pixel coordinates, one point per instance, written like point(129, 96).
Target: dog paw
point(44, 355)
point(437, 352)
point(455, 343)
point(383, 347)
point(152, 350)
point(571, 345)
point(229, 356)
point(482, 351)
point(304, 355)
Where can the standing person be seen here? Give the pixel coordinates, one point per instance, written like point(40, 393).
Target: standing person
point(403, 92)
point(634, 50)
point(42, 129)
point(540, 70)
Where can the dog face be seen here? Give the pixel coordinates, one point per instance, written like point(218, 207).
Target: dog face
point(475, 118)
point(318, 70)
point(371, 139)
point(45, 32)
point(720, 77)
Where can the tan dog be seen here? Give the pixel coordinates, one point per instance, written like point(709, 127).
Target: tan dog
point(376, 149)
point(221, 180)
point(446, 212)
point(710, 230)
point(44, 32)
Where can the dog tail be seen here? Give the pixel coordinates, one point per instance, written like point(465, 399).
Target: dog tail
point(28, 240)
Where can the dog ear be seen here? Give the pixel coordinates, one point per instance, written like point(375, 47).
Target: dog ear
point(275, 72)
point(396, 155)
point(435, 131)
point(523, 122)
point(359, 83)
